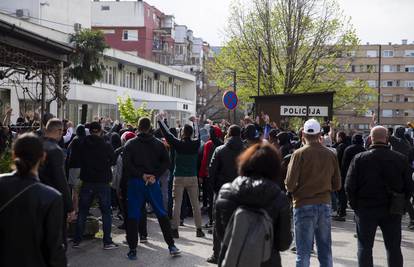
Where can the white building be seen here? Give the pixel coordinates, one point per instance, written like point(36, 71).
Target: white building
point(161, 87)
point(61, 15)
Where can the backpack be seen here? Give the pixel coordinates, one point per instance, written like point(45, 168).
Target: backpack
point(248, 239)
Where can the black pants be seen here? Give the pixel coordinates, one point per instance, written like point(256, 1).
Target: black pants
point(390, 225)
point(410, 209)
point(216, 239)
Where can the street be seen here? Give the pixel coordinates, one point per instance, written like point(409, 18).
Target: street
point(195, 251)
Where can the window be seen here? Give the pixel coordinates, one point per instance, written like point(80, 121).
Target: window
point(371, 53)
point(350, 54)
point(388, 83)
point(398, 68)
point(352, 68)
point(130, 35)
point(387, 98)
point(409, 68)
point(104, 8)
point(388, 68)
point(409, 53)
point(409, 84)
point(388, 53)
point(372, 83)
point(387, 112)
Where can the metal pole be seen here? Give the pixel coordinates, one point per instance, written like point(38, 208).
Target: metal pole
point(379, 85)
point(43, 99)
point(59, 87)
point(259, 68)
point(235, 92)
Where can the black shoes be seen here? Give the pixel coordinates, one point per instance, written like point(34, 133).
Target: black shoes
point(174, 233)
point(339, 218)
point(213, 259)
point(200, 233)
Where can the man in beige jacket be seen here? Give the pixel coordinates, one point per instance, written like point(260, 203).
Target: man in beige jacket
point(313, 173)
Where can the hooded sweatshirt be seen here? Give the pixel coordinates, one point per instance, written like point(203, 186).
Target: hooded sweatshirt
point(97, 158)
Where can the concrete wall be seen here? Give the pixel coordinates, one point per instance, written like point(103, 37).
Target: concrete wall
point(56, 14)
point(124, 13)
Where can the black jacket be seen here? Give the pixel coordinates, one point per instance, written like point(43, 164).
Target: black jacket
point(52, 172)
point(145, 154)
point(340, 149)
point(97, 157)
point(369, 174)
point(256, 193)
point(349, 153)
point(31, 226)
point(223, 167)
point(75, 152)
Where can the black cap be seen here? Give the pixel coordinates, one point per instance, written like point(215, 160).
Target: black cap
point(95, 127)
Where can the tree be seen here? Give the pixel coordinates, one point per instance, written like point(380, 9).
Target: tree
point(86, 62)
point(129, 113)
point(302, 43)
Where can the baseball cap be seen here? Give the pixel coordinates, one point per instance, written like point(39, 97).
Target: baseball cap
point(128, 135)
point(311, 127)
point(95, 127)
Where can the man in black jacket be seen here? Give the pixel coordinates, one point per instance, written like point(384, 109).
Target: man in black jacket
point(349, 153)
point(223, 169)
point(371, 178)
point(97, 157)
point(145, 159)
point(52, 172)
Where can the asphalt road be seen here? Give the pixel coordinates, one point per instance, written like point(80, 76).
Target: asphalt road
point(196, 250)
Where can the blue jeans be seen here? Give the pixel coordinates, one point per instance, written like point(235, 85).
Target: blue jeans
point(87, 194)
point(313, 221)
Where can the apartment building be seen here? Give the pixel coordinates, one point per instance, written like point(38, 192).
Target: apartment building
point(137, 28)
point(396, 83)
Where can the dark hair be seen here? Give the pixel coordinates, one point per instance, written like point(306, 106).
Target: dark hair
point(235, 130)
point(27, 151)
point(174, 131)
point(54, 125)
point(46, 117)
point(188, 130)
point(260, 161)
point(273, 133)
point(342, 135)
point(144, 124)
point(95, 127)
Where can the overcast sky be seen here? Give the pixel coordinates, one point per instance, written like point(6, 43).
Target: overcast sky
point(376, 21)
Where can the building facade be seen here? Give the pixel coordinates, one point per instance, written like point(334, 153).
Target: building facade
point(161, 87)
point(396, 83)
point(137, 28)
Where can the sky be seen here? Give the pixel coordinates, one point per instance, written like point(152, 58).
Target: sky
point(376, 21)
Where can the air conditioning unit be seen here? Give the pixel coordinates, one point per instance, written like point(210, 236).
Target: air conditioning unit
point(23, 13)
point(77, 27)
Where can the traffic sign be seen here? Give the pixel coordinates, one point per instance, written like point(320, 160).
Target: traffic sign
point(230, 100)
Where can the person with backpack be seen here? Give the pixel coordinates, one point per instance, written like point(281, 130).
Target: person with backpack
point(254, 207)
point(31, 213)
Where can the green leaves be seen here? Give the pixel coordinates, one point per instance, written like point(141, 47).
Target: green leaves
point(86, 64)
point(129, 113)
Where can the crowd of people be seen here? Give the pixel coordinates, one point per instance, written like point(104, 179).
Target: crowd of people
point(260, 186)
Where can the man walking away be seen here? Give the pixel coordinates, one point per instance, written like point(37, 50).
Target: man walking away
point(377, 184)
point(97, 158)
point(52, 172)
point(185, 174)
point(349, 153)
point(223, 169)
point(145, 159)
point(313, 174)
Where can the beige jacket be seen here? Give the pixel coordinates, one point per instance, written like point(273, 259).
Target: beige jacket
point(313, 173)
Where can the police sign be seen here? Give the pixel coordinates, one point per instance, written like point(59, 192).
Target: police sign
point(304, 111)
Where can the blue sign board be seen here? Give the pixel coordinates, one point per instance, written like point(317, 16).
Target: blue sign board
point(230, 100)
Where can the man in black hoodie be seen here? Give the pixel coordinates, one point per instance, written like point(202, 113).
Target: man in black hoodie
point(97, 157)
point(145, 159)
point(349, 154)
point(223, 169)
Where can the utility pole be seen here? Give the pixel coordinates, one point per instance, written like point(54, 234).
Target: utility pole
point(43, 99)
point(235, 92)
point(259, 70)
point(379, 85)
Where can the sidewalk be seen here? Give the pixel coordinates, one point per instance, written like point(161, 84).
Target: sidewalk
point(196, 250)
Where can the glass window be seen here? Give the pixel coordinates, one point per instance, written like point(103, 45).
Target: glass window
point(372, 83)
point(387, 112)
point(409, 68)
point(409, 83)
point(130, 35)
point(371, 53)
point(409, 53)
point(388, 53)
